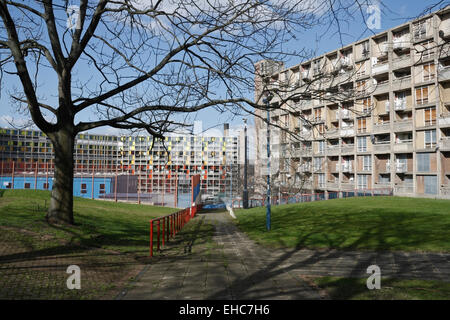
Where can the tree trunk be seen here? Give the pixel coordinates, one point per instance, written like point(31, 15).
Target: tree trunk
point(61, 203)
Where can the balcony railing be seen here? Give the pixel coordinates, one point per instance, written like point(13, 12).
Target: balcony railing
point(445, 190)
point(444, 120)
point(399, 104)
point(344, 114)
point(346, 167)
point(444, 144)
point(334, 149)
point(403, 125)
point(401, 43)
point(382, 147)
point(404, 189)
point(403, 146)
point(349, 148)
point(381, 127)
point(401, 167)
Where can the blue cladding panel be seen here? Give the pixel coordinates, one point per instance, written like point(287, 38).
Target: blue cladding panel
point(19, 183)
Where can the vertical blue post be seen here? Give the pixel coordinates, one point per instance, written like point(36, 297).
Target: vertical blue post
point(268, 213)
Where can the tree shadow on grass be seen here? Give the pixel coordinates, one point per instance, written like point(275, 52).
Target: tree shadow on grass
point(325, 262)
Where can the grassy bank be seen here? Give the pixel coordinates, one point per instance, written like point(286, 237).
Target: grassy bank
point(376, 223)
point(118, 226)
point(391, 289)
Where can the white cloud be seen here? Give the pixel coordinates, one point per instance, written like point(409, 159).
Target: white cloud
point(7, 121)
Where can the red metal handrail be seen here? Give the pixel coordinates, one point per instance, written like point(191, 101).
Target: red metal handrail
point(171, 225)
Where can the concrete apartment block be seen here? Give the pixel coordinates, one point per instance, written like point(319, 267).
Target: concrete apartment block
point(389, 125)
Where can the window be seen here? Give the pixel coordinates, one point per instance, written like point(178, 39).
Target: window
point(422, 95)
point(361, 86)
point(367, 104)
point(321, 179)
point(317, 163)
point(430, 116)
point(45, 186)
point(362, 144)
point(102, 188)
point(360, 69)
point(365, 49)
point(27, 185)
point(423, 162)
point(362, 181)
point(425, 50)
point(83, 188)
point(367, 163)
point(362, 125)
point(428, 71)
point(321, 147)
point(430, 184)
point(430, 138)
point(321, 128)
point(384, 179)
point(318, 114)
point(420, 30)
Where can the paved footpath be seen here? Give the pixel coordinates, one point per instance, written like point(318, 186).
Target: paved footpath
point(231, 266)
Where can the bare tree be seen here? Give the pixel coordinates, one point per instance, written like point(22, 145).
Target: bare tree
point(141, 64)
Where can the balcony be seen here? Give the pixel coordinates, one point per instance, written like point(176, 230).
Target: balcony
point(306, 75)
point(400, 104)
point(444, 74)
point(346, 63)
point(403, 125)
point(401, 44)
point(304, 167)
point(333, 150)
point(380, 68)
point(332, 185)
point(332, 133)
point(444, 144)
point(404, 189)
point(381, 127)
point(444, 120)
point(403, 146)
point(401, 167)
point(306, 152)
point(445, 191)
point(348, 148)
point(382, 148)
point(346, 167)
point(401, 83)
point(348, 186)
point(344, 114)
point(307, 185)
point(381, 87)
point(347, 132)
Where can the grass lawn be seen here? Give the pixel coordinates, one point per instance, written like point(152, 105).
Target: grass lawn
point(109, 243)
point(118, 226)
point(375, 223)
point(391, 289)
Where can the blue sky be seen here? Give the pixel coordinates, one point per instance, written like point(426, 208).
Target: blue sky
point(393, 13)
